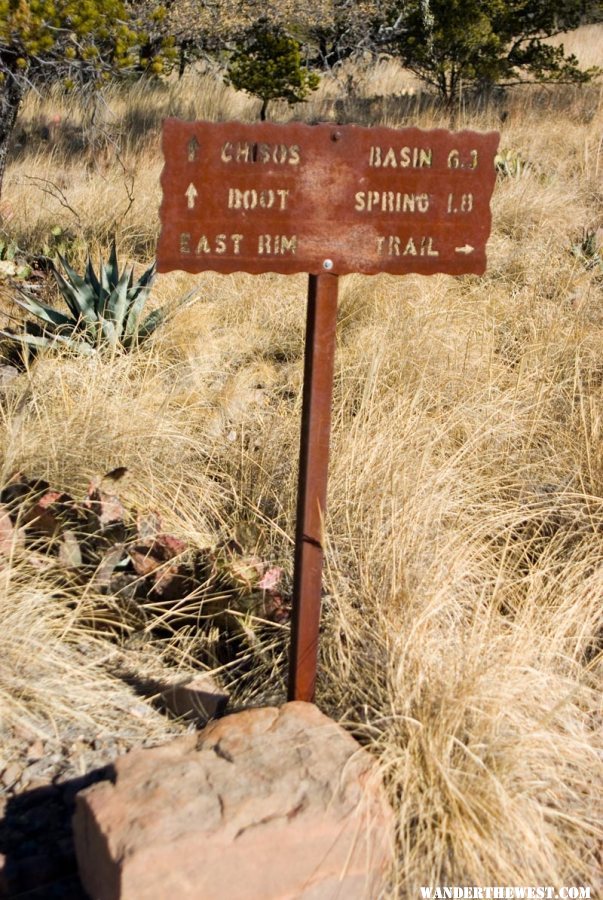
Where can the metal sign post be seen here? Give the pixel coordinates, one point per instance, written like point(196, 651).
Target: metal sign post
point(312, 483)
point(325, 200)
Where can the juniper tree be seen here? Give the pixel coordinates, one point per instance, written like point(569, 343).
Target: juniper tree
point(267, 63)
point(42, 41)
point(480, 43)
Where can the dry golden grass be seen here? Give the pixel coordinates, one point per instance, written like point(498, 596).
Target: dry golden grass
point(462, 614)
point(586, 43)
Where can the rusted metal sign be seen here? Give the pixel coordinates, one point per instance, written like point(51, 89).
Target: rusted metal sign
point(326, 200)
point(322, 198)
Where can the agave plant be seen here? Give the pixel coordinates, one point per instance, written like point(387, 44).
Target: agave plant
point(105, 310)
point(589, 250)
point(511, 164)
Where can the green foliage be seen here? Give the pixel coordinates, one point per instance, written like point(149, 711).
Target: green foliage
point(267, 63)
point(59, 242)
point(11, 260)
point(456, 44)
point(589, 249)
point(42, 41)
point(105, 311)
point(510, 164)
point(12, 263)
point(40, 38)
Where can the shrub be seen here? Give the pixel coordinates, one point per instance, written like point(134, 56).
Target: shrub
point(267, 63)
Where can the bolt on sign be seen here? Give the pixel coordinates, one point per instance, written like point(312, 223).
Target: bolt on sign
point(326, 200)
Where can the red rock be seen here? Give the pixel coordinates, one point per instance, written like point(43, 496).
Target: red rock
point(268, 804)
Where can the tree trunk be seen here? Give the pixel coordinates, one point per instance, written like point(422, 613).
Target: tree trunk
point(183, 57)
point(11, 95)
point(263, 110)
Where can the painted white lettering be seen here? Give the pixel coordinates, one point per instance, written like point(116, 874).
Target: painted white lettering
point(405, 157)
point(217, 244)
point(243, 152)
point(427, 248)
point(249, 152)
point(263, 153)
point(203, 246)
point(250, 199)
point(390, 201)
point(400, 157)
point(394, 245)
point(276, 244)
point(289, 244)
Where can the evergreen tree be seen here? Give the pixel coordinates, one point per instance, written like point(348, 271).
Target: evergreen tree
point(47, 40)
point(452, 44)
point(267, 63)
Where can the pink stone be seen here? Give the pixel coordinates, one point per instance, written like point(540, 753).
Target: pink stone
point(267, 804)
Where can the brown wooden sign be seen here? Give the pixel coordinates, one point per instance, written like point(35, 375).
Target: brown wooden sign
point(324, 198)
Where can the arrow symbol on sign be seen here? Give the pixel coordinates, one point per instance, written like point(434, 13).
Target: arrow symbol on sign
point(466, 249)
point(191, 194)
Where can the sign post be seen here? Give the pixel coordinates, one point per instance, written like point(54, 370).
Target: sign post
point(312, 483)
point(325, 200)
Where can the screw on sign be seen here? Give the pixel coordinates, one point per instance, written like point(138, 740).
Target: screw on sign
point(327, 201)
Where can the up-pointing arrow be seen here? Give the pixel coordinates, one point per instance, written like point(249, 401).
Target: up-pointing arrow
point(191, 194)
point(466, 249)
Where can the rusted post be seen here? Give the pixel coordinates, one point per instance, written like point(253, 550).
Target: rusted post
point(312, 486)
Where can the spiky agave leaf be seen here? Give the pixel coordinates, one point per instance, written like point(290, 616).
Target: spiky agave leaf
point(46, 313)
point(47, 341)
point(117, 302)
point(151, 323)
point(78, 295)
point(93, 282)
point(158, 316)
point(109, 271)
point(139, 294)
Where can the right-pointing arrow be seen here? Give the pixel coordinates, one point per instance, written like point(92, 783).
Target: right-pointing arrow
point(466, 249)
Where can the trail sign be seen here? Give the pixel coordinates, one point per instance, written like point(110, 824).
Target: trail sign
point(326, 200)
point(316, 198)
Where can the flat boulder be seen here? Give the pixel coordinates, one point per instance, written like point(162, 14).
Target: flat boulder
point(267, 804)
